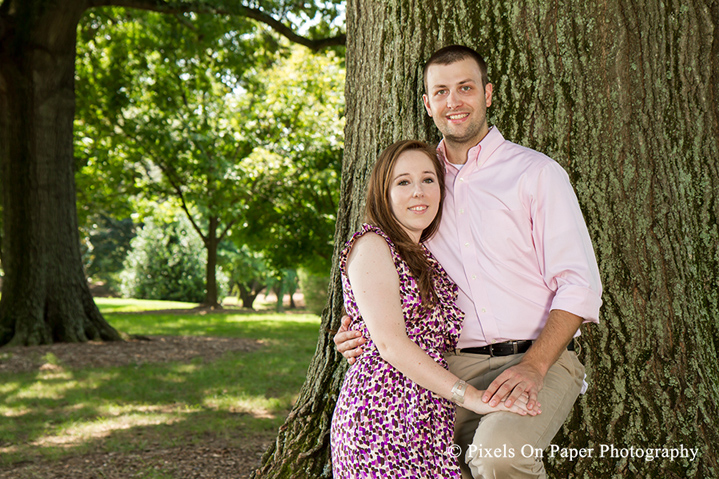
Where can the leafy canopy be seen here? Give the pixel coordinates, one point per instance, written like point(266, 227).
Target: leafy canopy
point(218, 113)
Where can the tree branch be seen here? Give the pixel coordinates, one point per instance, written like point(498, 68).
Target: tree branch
point(181, 195)
point(226, 230)
point(174, 183)
point(200, 6)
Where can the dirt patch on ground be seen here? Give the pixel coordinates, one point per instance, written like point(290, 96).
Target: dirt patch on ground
point(136, 350)
point(213, 459)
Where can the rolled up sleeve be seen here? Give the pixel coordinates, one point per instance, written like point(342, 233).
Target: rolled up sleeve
point(564, 250)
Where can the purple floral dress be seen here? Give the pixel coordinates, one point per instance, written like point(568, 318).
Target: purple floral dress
point(384, 424)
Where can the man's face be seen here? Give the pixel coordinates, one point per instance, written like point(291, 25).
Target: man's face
point(457, 102)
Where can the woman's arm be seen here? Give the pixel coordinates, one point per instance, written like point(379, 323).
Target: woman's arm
point(375, 284)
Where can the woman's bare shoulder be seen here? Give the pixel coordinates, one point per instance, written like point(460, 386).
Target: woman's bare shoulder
point(370, 251)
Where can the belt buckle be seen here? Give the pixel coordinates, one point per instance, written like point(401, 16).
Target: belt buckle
point(515, 348)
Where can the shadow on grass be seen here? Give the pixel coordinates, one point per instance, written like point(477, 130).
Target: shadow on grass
point(61, 411)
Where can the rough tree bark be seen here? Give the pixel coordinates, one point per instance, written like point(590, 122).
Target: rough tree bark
point(625, 95)
point(45, 296)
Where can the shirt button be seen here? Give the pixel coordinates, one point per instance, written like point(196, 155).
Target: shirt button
point(466, 244)
point(474, 276)
point(461, 212)
point(484, 311)
point(461, 179)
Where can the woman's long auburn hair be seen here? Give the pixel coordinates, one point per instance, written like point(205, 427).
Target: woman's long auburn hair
point(378, 212)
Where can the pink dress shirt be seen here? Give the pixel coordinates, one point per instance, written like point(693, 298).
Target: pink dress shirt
point(514, 240)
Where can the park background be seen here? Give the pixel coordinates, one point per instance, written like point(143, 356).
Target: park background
point(220, 128)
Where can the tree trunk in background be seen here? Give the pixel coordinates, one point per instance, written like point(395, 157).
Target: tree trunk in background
point(625, 95)
point(248, 292)
point(211, 244)
point(45, 296)
point(279, 290)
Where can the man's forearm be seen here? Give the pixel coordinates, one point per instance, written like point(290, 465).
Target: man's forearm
point(554, 338)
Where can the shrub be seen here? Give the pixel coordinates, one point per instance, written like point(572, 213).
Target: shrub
point(167, 261)
point(314, 288)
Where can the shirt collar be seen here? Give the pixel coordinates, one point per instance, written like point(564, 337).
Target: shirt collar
point(478, 154)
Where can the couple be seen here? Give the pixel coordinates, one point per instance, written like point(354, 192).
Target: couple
point(520, 265)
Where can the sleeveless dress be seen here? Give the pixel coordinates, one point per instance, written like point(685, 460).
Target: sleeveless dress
point(385, 426)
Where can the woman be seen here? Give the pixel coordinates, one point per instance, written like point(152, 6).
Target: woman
point(394, 417)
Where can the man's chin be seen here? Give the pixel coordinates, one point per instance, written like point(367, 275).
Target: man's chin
point(463, 136)
point(462, 139)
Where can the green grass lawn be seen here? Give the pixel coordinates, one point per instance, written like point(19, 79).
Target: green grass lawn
point(55, 412)
point(123, 305)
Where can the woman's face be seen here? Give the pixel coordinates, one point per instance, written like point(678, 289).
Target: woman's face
point(414, 192)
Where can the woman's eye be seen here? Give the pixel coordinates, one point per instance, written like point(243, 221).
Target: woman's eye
point(429, 180)
point(403, 182)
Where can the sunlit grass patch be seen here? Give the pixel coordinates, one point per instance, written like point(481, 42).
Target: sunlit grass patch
point(81, 431)
point(250, 325)
point(258, 406)
point(55, 388)
point(124, 305)
point(59, 411)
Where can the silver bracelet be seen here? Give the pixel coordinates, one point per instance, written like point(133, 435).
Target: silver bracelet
point(458, 390)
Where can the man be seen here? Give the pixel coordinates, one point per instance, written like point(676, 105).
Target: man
point(513, 238)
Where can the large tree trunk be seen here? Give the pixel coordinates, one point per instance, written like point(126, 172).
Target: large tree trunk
point(625, 95)
point(45, 296)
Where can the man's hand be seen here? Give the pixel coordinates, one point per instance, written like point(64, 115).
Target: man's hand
point(474, 403)
point(513, 383)
point(349, 343)
point(528, 376)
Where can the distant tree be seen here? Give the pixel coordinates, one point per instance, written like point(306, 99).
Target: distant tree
point(301, 129)
point(247, 271)
point(281, 283)
point(45, 297)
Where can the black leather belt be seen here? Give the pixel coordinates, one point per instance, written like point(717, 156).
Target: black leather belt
point(507, 348)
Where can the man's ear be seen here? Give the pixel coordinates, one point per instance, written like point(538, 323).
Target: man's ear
point(488, 94)
point(425, 99)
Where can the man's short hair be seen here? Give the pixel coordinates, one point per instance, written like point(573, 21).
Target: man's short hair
point(454, 53)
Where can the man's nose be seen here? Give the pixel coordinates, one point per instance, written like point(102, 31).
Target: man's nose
point(453, 100)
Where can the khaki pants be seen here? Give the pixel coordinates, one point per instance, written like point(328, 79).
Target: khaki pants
point(505, 444)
